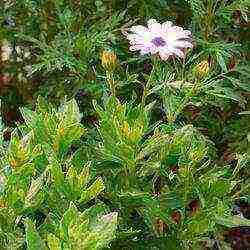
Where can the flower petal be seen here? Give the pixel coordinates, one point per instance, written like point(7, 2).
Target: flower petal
point(164, 55)
point(154, 26)
point(134, 47)
point(139, 29)
point(166, 26)
point(178, 52)
point(151, 21)
point(183, 44)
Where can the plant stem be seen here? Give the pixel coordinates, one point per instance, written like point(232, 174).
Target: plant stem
point(148, 85)
point(111, 82)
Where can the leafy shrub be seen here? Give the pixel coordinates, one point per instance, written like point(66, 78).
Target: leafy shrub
point(104, 148)
point(43, 186)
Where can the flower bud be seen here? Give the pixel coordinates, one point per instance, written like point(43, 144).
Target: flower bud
point(109, 60)
point(61, 131)
point(202, 69)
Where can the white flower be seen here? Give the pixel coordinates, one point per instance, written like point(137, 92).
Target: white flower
point(165, 39)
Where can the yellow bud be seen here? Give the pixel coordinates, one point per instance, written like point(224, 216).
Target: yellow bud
point(2, 204)
point(108, 60)
point(61, 131)
point(13, 163)
point(202, 69)
point(125, 129)
point(56, 146)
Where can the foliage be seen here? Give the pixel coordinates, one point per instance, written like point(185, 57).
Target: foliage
point(40, 179)
point(177, 158)
point(105, 148)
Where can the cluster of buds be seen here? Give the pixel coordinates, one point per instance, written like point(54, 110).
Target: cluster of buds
point(109, 60)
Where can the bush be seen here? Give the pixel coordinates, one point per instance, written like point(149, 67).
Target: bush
point(104, 147)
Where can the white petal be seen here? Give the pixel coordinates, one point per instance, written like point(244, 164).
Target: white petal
point(145, 50)
point(142, 38)
point(172, 36)
point(183, 44)
point(179, 29)
point(154, 49)
point(187, 33)
point(154, 26)
point(151, 21)
point(164, 55)
point(166, 26)
point(147, 37)
point(132, 37)
point(139, 29)
point(134, 47)
point(178, 52)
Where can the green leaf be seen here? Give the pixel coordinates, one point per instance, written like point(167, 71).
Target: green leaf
point(53, 242)
point(233, 221)
point(27, 114)
point(247, 112)
point(93, 190)
point(69, 218)
point(36, 185)
point(71, 113)
point(33, 239)
point(84, 176)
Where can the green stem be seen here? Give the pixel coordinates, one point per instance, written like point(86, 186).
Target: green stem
point(197, 84)
point(111, 83)
point(148, 85)
point(183, 68)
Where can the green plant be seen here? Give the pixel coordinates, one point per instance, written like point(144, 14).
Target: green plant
point(148, 154)
point(40, 179)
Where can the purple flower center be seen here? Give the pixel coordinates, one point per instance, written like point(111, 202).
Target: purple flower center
point(159, 42)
